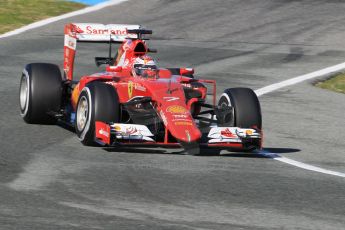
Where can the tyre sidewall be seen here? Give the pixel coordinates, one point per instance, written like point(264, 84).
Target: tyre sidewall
point(103, 106)
point(25, 112)
point(225, 100)
point(44, 93)
point(247, 110)
point(86, 133)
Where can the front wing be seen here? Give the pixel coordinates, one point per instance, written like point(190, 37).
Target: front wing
point(133, 134)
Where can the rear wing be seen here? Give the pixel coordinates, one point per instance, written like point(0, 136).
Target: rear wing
point(92, 32)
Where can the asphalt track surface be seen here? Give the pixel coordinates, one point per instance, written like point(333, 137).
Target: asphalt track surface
point(48, 180)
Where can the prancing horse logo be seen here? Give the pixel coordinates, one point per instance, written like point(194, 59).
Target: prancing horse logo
point(130, 89)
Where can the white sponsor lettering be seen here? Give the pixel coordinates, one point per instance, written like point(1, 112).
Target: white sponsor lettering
point(139, 87)
point(171, 98)
point(103, 132)
point(180, 116)
point(100, 32)
point(186, 85)
point(70, 42)
point(107, 31)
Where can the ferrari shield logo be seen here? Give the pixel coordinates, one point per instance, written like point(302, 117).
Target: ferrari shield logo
point(130, 89)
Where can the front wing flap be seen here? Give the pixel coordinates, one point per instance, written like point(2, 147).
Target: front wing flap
point(226, 137)
point(231, 134)
point(105, 134)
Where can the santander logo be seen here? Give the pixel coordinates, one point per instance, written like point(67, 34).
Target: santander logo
point(227, 133)
point(91, 30)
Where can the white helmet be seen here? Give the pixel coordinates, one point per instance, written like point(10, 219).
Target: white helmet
point(144, 66)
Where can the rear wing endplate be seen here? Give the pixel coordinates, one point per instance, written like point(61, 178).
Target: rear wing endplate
point(92, 32)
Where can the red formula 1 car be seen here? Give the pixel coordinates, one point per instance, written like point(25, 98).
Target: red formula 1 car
point(134, 102)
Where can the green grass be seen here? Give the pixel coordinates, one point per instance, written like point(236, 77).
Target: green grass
point(17, 13)
point(336, 83)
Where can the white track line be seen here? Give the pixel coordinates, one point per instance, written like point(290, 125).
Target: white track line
point(293, 81)
point(64, 16)
point(300, 164)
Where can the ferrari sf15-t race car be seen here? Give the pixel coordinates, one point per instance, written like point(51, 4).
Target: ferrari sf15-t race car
point(133, 102)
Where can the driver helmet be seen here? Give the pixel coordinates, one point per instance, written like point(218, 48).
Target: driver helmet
point(145, 66)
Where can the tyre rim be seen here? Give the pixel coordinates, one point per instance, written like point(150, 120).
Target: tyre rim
point(82, 113)
point(23, 93)
point(226, 103)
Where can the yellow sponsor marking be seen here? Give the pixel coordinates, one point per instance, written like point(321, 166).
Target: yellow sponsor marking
point(130, 89)
point(176, 109)
point(188, 123)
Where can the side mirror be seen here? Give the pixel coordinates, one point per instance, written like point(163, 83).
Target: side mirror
point(113, 68)
point(186, 71)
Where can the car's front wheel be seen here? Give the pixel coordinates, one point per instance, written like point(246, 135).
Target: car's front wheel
point(246, 108)
point(97, 102)
point(246, 112)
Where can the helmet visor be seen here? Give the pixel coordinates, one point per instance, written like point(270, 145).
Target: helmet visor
point(139, 68)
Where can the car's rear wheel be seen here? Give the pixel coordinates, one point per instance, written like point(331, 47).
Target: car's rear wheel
point(40, 93)
point(97, 102)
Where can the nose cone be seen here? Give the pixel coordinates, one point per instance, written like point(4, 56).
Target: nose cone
point(173, 110)
point(185, 131)
point(180, 123)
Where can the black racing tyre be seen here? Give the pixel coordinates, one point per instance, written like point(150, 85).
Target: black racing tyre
point(40, 93)
point(97, 102)
point(246, 106)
